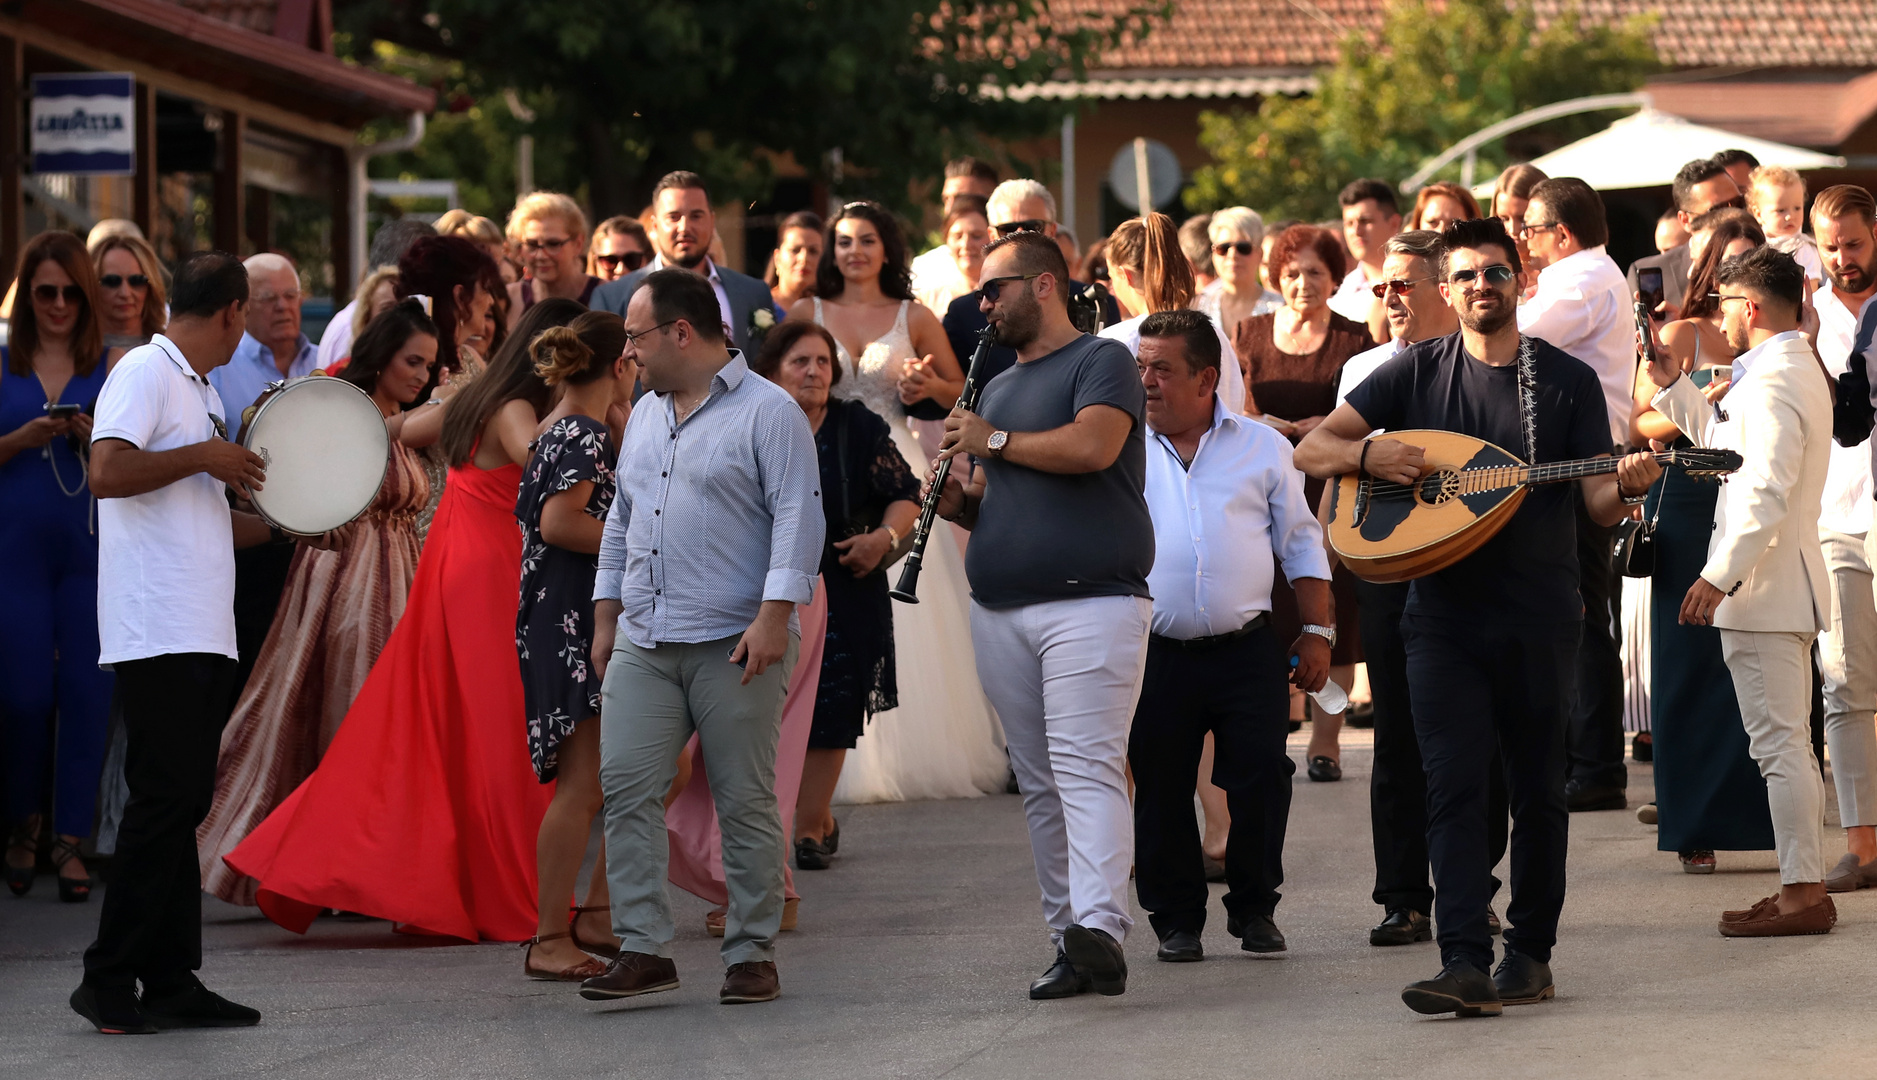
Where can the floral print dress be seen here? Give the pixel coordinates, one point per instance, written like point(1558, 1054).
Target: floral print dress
point(554, 624)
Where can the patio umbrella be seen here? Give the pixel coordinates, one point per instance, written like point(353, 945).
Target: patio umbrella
point(1648, 148)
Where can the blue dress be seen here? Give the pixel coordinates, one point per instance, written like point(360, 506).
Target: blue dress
point(49, 592)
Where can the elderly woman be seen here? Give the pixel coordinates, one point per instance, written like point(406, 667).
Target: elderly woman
point(1237, 235)
point(1292, 359)
point(133, 303)
point(868, 494)
point(549, 232)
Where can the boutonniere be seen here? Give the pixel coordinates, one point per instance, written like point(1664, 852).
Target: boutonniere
point(761, 321)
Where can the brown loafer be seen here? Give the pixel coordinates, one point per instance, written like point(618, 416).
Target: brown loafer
point(750, 982)
point(634, 973)
point(1768, 922)
point(1770, 903)
point(1850, 875)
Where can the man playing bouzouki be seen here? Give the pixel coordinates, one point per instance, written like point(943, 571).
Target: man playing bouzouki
point(1492, 639)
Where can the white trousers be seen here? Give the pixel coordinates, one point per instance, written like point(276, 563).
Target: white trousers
point(1847, 658)
point(1064, 677)
point(1773, 679)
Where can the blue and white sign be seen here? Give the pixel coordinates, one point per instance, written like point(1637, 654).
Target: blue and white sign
point(85, 123)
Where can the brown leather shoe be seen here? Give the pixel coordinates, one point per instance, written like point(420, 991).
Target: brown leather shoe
point(1759, 908)
point(634, 973)
point(1766, 921)
point(746, 983)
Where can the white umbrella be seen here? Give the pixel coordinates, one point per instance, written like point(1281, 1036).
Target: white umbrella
point(1647, 149)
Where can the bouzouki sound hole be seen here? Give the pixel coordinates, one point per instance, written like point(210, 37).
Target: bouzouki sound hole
point(1437, 487)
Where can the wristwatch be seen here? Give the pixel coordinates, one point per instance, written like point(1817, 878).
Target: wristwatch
point(995, 444)
point(1327, 633)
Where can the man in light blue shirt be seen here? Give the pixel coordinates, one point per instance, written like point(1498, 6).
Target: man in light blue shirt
point(714, 538)
point(273, 348)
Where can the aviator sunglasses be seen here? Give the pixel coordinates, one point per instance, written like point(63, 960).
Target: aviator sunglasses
point(1496, 275)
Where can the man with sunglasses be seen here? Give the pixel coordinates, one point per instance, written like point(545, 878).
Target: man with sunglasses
point(1582, 306)
point(1491, 641)
point(1060, 551)
point(1700, 186)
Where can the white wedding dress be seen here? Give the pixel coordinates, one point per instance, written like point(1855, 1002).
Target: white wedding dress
point(943, 742)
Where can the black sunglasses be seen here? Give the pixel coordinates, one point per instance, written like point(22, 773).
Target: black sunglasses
point(1026, 225)
point(992, 288)
point(1243, 247)
point(547, 245)
point(632, 259)
point(112, 281)
point(1495, 275)
point(49, 293)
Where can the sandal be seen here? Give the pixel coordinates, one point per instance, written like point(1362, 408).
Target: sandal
point(587, 968)
point(713, 919)
point(71, 890)
point(20, 878)
point(597, 948)
point(1699, 861)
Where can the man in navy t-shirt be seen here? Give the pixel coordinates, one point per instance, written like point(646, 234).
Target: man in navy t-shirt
point(1491, 640)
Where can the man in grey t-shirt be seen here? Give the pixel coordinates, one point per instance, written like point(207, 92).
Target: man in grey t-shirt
point(1058, 564)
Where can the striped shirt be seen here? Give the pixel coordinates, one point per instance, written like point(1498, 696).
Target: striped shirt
point(715, 514)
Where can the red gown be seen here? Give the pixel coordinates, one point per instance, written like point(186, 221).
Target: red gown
point(425, 808)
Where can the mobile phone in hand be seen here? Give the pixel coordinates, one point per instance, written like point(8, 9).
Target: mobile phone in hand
point(1701, 377)
point(1649, 289)
point(63, 412)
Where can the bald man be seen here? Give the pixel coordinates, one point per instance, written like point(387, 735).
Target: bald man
point(273, 349)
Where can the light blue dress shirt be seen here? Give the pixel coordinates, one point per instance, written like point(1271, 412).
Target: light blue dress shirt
point(246, 375)
point(714, 515)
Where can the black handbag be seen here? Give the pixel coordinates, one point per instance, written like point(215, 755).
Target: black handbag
point(1635, 540)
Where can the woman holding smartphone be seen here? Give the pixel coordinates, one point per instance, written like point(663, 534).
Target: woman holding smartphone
point(49, 379)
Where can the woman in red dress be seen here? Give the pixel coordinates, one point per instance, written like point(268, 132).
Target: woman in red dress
point(425, 809)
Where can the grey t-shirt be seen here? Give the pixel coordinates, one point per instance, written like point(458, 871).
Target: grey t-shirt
point(1046, 536)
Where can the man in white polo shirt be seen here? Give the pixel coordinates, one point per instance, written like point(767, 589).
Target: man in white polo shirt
point(166, 584)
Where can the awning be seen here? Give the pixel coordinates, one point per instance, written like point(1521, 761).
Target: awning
point(1647, 149)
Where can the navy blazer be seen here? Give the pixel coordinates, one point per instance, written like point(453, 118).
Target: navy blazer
point(747, 295)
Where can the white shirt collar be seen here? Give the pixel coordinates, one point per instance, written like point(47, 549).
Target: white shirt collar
point(1745, 361)
point(1577, 262)
point(171, 350)
point(659, 263)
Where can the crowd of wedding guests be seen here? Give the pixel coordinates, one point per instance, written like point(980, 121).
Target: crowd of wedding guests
point(447, 640)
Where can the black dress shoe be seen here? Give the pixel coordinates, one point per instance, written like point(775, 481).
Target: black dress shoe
point(832, 841)
point(1259, 934)
point(1404, 926)
point(1060, 981)
point(1459, 988)
point(1324, 769)
point(812, 854)
point(1094, 952)
point(112, 1010)
point(1582, 797)
point(196, 1006)
point(1521, 980)
point(1181, 947)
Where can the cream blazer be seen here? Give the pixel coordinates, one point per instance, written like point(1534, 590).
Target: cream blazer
point(1764, 552)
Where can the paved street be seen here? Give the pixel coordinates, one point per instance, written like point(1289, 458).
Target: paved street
point(913, 957)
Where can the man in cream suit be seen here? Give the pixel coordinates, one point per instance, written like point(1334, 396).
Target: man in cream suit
point(1765, 584)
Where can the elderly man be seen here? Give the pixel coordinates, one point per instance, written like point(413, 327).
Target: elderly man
point(1228, 510)
point(1765, 584)
point(1700, 186)
point(685, 226)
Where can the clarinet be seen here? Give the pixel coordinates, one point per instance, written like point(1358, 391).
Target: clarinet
point(907, 591)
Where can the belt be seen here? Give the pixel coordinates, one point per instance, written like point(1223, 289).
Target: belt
point(1202, 644)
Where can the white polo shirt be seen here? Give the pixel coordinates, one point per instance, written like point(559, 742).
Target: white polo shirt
point(166, 558)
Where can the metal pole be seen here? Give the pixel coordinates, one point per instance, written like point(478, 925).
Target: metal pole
point(1067, 209)
point(524, 164)
point(1143, 179)
point(1466, 168)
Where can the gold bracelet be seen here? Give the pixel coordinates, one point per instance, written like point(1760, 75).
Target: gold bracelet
point(892, 532)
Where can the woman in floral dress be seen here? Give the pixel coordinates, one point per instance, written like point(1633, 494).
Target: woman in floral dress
point(565, 493)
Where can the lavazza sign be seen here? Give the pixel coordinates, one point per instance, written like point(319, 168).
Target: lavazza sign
point(84, 124)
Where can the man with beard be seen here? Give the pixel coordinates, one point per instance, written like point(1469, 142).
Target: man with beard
point(1491, 640)
point(686, 225)
point(1842, 220)
point(1058, 563)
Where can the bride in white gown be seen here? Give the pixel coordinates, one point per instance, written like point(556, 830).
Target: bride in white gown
point(943, 742)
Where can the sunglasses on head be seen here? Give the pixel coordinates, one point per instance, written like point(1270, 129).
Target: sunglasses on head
point(992, 288)
point(1026, 225)
point(632, 260)
point(49, 293)
point(1401, 286)
point(112, 281)
point(1242, 247)
point(1495, 275)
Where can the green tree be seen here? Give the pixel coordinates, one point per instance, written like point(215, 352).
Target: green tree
point(1434, 74)
point(872, 93)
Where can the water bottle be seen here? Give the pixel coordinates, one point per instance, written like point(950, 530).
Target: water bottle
point(1331, 699)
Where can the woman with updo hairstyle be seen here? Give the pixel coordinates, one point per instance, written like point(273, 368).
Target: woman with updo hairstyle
point(566, 490)
point(1149, 273)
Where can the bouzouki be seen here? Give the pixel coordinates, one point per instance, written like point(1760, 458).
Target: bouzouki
point(1467, 491)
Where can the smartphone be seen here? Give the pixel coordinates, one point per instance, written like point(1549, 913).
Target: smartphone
point(1645, 337)
point(732, 657)
point(1649, 289)
point(1701, 377)
point(63, 412)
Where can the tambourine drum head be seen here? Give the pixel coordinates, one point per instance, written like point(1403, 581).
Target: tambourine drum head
point(325, 445)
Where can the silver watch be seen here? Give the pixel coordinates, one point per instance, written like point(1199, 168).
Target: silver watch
point(1327, 633)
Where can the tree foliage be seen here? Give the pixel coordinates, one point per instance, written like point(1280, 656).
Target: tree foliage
point(1433, 75)
point(870, 93)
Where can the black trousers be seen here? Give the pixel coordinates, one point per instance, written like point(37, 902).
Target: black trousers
point(260, 579)
point(1596, 724)
point(151, 927)
point(1239, 691)
point(1473, 686)
point(1398, 784)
